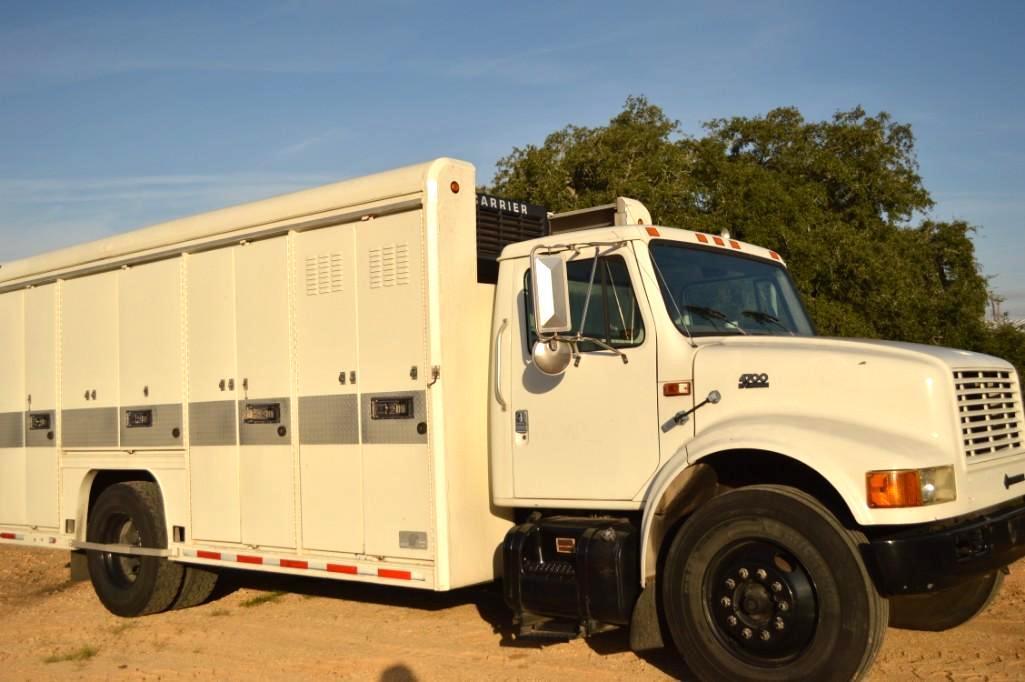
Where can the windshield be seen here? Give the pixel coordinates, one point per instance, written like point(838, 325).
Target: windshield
point(709, 292)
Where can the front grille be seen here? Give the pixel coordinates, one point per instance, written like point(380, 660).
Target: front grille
point(989, 407)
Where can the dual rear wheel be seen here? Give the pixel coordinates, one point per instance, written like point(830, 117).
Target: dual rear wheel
point(131, 513)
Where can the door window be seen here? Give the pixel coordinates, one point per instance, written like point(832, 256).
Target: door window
point(613, 315)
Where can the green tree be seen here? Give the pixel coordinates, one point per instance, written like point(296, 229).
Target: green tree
point(836, 198)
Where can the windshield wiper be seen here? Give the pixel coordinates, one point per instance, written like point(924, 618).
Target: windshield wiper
point(764, 317)
point(713, 315)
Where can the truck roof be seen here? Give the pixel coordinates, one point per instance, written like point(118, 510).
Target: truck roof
point(645, 233)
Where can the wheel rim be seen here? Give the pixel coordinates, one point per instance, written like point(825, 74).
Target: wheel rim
point(123, 569)
point(760, 602)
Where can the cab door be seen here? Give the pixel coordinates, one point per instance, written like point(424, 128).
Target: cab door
point(590, 433)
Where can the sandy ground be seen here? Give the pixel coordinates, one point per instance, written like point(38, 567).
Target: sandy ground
point(278, 628)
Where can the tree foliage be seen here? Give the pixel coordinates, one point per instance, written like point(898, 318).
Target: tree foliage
point(836, 198)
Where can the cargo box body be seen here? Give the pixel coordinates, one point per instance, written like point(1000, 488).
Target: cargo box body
point(305, 378)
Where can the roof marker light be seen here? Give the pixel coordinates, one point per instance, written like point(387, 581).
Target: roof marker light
point(719, 241)
point(734, 243)
point(651, 231)
point(702, 238)
point(774, 255)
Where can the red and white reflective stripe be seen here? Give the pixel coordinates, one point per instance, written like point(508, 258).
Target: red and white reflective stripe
point(306, 565)
point(11, 536)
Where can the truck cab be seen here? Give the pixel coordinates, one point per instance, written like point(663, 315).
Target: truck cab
point(668, 379)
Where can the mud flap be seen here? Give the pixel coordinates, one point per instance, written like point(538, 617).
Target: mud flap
point(645, 623)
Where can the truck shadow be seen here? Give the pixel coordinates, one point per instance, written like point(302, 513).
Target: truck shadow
point(487, 599)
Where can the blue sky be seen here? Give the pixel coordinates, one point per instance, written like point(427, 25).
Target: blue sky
point(119, 115)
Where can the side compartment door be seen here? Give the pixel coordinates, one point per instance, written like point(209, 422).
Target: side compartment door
point(266, 470)
point(213, 413)
point(12, 406)
point(41, 434)
point(150, 356)
point(89, 385)
point(392, 378)
point(331, 469)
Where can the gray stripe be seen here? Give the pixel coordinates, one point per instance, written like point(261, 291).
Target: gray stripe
point(42, 437)
point(380, 431)
point(212, 423)
point(278, 433)
point(328, 420)
point(11, 429)
point(317, 223)
point(166, 431)
point(93, 427)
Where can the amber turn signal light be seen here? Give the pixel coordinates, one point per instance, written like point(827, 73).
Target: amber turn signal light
point(894, 489)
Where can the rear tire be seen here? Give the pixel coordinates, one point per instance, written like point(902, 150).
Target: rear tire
point(198, 585)
point(946, 608)
point(763, 583)
point(131, 513)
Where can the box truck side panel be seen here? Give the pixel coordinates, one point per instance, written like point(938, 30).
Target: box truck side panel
point(89, 339)
point(331, 467)
point(212, 386)
point(150, 355)
point(12, 406)
point(41, 435)
point(392, 377)
point(266, 470)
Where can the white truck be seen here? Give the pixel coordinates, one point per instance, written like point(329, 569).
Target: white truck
point(397, 380)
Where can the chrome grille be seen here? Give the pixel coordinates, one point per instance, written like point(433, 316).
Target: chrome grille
point(989, 407)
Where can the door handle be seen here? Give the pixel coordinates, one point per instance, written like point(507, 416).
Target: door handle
point(498, 365)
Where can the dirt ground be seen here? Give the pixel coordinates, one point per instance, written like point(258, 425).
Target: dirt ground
point(278, 628)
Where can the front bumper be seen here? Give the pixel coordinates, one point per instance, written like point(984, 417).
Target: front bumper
point(924, 559)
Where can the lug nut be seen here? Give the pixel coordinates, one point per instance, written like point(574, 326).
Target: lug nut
point(777, 586)
point(783, 606)
point(762, 575)
point(732, 620)
point(746, 633)
point(778, 623)
point(764, 634)
point(725, 601)
point(731, 583)
point(743, 573)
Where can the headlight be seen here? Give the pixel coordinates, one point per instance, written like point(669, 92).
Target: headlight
point(910, 487)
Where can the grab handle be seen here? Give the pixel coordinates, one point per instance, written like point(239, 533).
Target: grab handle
point(498, 365)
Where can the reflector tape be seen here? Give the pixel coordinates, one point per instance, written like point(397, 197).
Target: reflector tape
point(302, 564)
point(11, 536)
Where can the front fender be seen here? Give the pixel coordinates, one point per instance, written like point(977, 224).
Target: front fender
point(839, 452)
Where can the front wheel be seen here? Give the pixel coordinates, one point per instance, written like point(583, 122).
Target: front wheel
point(946, 608)
point(763, 583)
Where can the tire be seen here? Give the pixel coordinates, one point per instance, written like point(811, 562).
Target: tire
point(198, 585)
point(763, 583)
point(129, 586)
point(946, 608)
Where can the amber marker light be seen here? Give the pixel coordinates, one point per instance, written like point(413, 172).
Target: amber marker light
point(454, 186)
point(652, 232)
point(910, 487)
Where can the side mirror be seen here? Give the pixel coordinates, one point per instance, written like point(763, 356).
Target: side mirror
point(550, 284)
point(551, 357)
